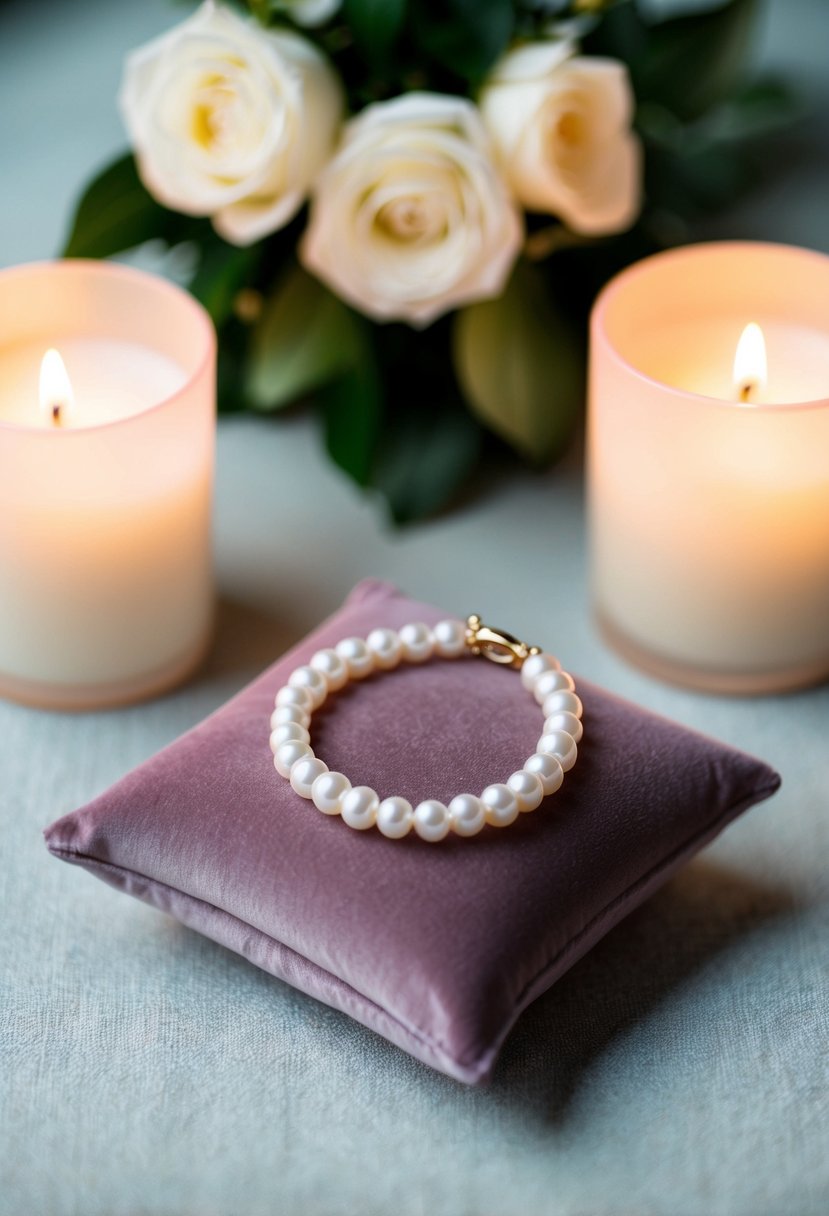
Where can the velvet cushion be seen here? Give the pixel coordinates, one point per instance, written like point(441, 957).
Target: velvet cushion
point(438, 947)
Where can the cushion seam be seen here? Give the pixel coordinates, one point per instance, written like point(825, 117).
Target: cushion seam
point(71, 855)
point(436, 1044)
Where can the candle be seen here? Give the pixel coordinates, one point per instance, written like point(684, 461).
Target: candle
point(106, 455)
point(709, 465)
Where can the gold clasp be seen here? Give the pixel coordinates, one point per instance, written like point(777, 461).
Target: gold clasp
point(496, 644)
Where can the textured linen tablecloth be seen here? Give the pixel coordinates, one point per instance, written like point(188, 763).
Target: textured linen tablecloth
point(679, 1070)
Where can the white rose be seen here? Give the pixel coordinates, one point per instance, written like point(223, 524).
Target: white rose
point(411, 218)
point(561, 127)
point(230, 120)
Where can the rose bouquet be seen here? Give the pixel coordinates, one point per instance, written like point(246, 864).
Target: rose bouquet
point(400, 210)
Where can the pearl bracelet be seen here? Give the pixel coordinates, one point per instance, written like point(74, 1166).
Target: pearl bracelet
point(353, 659)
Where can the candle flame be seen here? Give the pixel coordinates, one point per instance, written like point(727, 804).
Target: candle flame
point(750, 365)
point(56, 397)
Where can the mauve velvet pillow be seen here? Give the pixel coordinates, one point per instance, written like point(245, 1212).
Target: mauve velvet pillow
point(438, 947)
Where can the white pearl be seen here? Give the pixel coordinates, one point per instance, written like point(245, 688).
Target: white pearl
point(359, 807)
point(395, 817)
point(548, 770)
point(418, 642)
point(500, 805)
point(328, 792)
point(290, 695)
point(431, 820)
point(527, 788)
point(287, 755)
point(548, 682)
point(450, 639)
point(466, 815)
point(386, 647)
point(560, 744)
point(566, 722)
point(312, 681)
point(535, 666)
point(305, 772)
point(562, 683)
point(356, 656)
point(287, 732)
point(331, 667)
point(283, 714)
point(563, 701)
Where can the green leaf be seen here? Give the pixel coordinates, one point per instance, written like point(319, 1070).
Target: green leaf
point(698, 179)
point(261, 10)
point(230, 378)
point(351, 411)
point(765, 107)
point(305, 338)
point(703, 165)
point(688, 63)
point(621, 34)
point(116, 212)
point(464, 36)
point(521, 367)
point(223, 270)
point(375, 25)
point(693, 62)
point(425, 457)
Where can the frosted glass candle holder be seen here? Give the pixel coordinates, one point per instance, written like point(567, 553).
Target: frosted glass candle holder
point(709, 512)
point(106, 587)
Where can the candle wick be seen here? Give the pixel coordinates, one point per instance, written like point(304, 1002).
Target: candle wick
point(56, 415)
point(746, 389)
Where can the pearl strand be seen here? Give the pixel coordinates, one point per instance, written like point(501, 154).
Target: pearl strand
point(360, 806)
